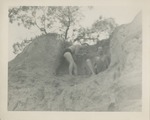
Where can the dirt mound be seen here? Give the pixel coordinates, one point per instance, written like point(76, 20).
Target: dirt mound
point(33, 86)
point(40, 55)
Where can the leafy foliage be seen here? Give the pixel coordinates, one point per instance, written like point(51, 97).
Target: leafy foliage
point(31, 16)
point(99, 27)
point(63, 19)
point(18, 47)
point(46, 18)
point(104, 25)
point(68, 17)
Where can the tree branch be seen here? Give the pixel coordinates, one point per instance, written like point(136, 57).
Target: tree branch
point(41, 29)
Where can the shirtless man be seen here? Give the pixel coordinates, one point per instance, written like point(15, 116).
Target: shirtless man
point(92, 64)
point(68, 55)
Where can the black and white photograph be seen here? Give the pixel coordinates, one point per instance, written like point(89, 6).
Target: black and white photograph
point(74, 58)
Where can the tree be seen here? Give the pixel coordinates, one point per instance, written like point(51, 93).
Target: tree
point(46, 18)
point(18, 47)
point(68, 17)
point(106, 25)
point(99, 27)
point(31, 16)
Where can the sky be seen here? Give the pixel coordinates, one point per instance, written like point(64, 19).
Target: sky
point(121, 14)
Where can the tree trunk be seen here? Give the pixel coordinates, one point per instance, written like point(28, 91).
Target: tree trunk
point(66, 33)
point(45, 31)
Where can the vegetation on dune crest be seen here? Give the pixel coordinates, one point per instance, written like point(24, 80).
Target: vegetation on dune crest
point(64, 21)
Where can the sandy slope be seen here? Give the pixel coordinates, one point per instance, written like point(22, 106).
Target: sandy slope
point(32, 84)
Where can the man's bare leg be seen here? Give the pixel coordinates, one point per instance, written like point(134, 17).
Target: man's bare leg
point(69, 58)
point(75, 69)
point(89, 63)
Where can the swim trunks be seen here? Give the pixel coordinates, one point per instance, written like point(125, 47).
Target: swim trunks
point(68, 50)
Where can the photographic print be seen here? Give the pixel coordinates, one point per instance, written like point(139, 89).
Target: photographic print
point(74, 58)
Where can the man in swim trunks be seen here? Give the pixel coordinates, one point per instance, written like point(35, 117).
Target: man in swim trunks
point(92, 62)
point(68, 55)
